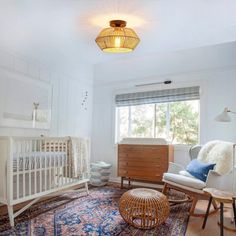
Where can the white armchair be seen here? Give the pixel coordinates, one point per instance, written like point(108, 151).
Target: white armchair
point(217, 152)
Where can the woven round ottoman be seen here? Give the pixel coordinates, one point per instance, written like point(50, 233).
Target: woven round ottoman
point(144, 208)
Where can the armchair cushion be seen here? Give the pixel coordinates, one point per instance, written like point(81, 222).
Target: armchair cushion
point(184, 180)
point(186, 173)
point(199, 169)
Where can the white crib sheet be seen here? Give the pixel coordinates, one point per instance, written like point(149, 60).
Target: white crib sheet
point(38, 160)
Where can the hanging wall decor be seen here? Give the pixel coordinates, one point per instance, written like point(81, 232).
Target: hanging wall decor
point(84, 102)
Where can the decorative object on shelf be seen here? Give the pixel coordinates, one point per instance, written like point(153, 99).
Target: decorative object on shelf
point(144, 208)
point(84, 102)
point(117, 38)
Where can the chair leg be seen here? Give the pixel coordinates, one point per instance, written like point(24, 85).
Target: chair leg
point(221, 219)
point(214, 204)
point(234, 210)
point(194, 203)
point(207, 213)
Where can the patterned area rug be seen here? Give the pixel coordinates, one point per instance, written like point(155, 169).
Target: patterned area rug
point(95, 215)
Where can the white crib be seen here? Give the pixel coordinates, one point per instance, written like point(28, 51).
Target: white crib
point(31, 168)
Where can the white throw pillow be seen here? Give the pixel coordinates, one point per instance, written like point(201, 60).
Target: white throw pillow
point(186, 174)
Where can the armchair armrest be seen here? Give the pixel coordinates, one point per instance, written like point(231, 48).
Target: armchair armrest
point(213, 179)
point(175, 168)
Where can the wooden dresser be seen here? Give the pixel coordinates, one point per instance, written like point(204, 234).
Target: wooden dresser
point(143, 162)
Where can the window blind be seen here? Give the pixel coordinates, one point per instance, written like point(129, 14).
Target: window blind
point(158, 96)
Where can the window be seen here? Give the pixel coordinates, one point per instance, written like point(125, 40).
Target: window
point(176, 121)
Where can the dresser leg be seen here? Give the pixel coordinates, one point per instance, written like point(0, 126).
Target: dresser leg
point(165, 188)
point(122, 182)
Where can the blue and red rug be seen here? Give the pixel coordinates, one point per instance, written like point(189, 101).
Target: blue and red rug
point(93, 215)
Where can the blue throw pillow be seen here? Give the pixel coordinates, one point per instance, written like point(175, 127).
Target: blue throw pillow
point(199, 169)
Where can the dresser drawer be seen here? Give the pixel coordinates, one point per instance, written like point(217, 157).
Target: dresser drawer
point(137, 164)
point(144, 162)
point(151, 151)
point(145, 175)
point(156, 160)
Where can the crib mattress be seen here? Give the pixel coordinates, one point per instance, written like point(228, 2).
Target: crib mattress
point(38, 160)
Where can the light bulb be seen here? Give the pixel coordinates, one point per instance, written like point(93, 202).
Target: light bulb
point(117, 42)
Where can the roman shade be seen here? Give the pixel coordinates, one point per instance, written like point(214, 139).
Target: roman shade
point(158, 96)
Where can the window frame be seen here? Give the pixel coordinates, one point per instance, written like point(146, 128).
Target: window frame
point(202, 105)
point(167, 124)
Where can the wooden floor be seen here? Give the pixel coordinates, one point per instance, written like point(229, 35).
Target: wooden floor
point(212, 228)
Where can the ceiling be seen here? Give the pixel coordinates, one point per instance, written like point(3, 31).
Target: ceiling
point(61, 33)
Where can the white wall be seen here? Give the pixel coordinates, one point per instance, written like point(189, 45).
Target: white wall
point(151, 66)
point(69, 117)
point(217, 91)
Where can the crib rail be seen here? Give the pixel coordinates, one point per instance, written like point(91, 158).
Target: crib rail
point(38, 166)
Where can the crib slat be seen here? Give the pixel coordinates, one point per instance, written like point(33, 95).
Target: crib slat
point(30, 162)
point(66, 163)
point(40, 172)
point(23, 167)
point(58, 170)
point(60, 163)
point(35, 169)
point(54, 167)
point(63, 163)
point(50, 170)
point(69, 163)
point(9, 178)
point(17, 169)
point(45, 170)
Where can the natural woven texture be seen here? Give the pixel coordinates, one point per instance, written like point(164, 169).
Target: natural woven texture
point(117, 39)
point(144, 208)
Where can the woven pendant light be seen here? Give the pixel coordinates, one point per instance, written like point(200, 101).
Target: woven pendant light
point(117, 38)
